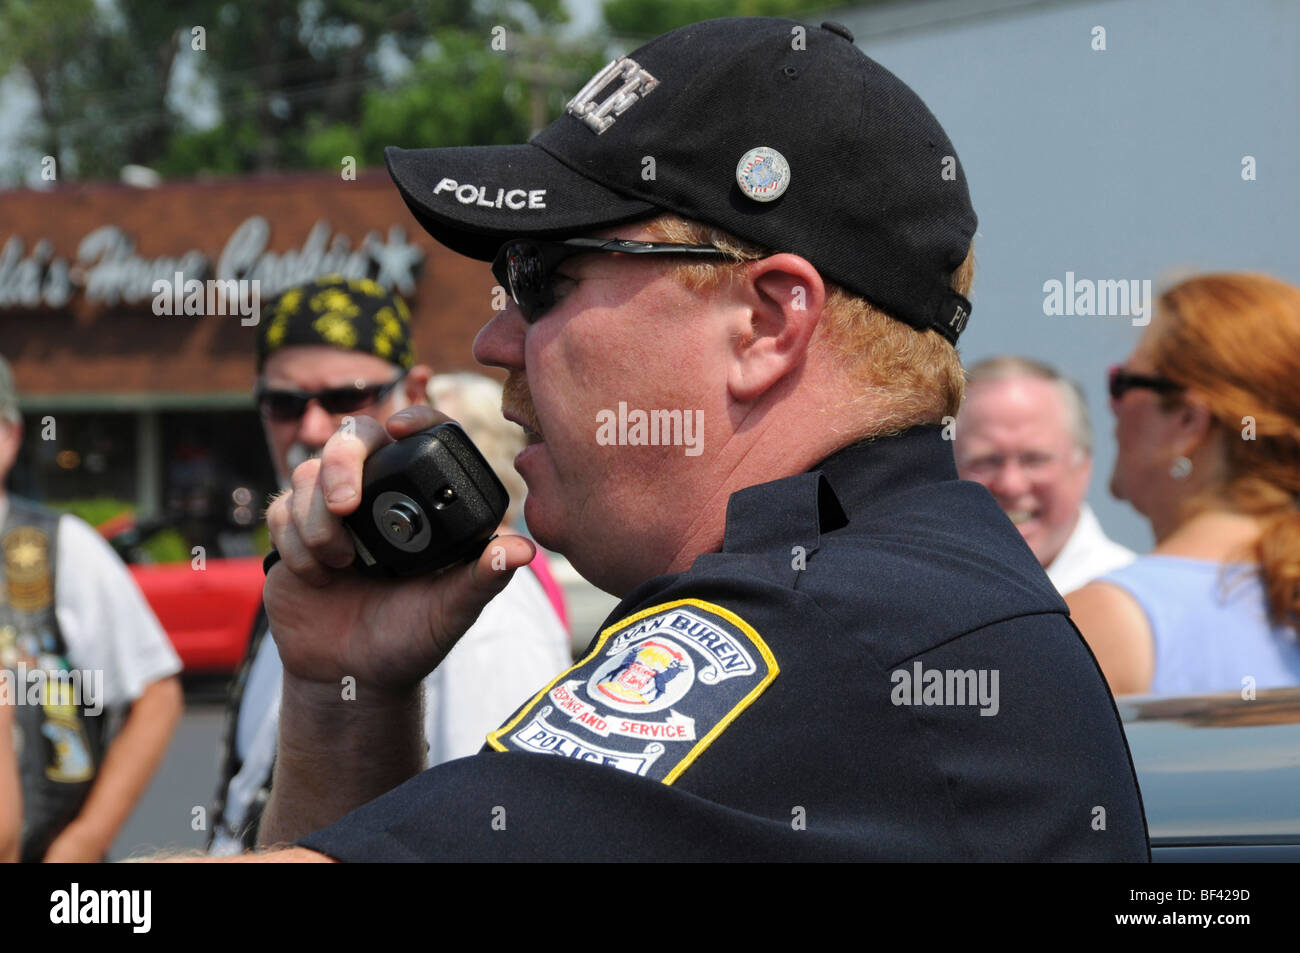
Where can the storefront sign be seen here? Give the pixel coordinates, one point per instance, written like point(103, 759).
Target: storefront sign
point(108, 271)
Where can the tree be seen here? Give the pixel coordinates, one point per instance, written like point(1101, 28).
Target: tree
point(645, 19)
point(39, 42)
point(463, 92)
point(302, 83)
point(306, 78)
point(100, 76)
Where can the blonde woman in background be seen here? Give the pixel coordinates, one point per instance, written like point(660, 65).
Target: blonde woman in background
point(474, 402)
point(1207, 412)
point(536, 602)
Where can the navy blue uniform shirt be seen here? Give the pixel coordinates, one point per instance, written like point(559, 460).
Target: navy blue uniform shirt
point(874, 667)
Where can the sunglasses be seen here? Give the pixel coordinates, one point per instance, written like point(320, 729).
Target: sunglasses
point(289, 405)
point(526, 267)
point(1122, 381)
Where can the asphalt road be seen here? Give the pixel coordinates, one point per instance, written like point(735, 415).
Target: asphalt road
point(165, 818)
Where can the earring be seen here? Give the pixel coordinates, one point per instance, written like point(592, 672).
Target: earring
point(1181, 469)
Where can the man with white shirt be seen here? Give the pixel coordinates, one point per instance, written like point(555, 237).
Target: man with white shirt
point(1024, 434)
point(69, 607)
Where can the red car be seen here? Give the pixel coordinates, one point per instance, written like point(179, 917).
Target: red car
point(208, 613)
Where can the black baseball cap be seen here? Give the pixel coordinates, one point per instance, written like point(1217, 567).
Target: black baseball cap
point(784, 135)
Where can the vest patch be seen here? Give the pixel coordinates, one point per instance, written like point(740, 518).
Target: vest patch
point(27, 569)
point(654, 692)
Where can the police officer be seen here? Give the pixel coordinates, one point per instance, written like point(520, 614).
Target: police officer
point(828, 646)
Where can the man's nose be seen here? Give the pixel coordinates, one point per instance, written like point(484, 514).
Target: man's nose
point(1011, 480)
point(500, 342)
point(316, 426)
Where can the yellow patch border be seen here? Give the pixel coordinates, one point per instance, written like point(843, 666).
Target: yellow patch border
point(493, 739)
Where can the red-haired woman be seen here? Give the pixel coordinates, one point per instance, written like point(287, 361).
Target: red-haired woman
point(1207, 413)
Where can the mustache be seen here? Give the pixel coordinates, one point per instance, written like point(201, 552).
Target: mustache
point(301, 453)
point(518, 399)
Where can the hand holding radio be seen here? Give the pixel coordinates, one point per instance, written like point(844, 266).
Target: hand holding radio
point(407, 509)
point(428, 501)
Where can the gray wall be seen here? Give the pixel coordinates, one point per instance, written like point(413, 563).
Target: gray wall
point(1117, 164)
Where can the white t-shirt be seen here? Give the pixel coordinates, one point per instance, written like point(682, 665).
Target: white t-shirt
point(514, 649)
point(1087, 555)
point(517, 645)
point(106, 623)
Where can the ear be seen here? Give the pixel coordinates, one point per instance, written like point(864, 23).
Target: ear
point(416, 384)
point(1193, 422)
point(1083, 476)
point(1085, 468)
point(782, 301)
point(11, 441)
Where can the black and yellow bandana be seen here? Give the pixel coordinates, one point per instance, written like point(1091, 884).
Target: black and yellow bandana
point(353, 313)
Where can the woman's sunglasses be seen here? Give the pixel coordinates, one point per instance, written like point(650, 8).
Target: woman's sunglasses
point(1122, 381)
point(285, 406)
point(526, 267)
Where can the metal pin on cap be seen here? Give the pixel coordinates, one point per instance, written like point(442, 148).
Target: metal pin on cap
point(763, 174)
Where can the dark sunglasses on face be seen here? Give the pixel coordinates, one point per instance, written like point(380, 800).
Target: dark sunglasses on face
point(289, 405)
point(526, 267)
point(1122, 381)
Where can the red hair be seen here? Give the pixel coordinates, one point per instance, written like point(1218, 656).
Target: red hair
point(915, 376)
point(1234, 339)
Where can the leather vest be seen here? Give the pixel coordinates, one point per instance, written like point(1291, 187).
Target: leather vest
point(60, 745)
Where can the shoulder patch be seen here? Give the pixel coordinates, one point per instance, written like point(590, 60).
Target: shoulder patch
point(655, 691)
